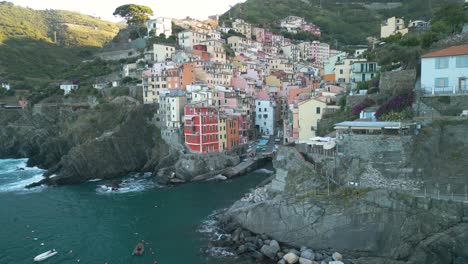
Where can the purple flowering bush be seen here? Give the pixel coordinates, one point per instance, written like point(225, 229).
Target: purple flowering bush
point(396, 104)
point(363, 105)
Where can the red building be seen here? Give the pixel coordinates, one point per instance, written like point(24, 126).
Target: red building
point(201, 128)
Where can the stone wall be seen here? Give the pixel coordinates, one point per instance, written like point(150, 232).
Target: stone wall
point(447, 105)
point(392, 83)
point(379, 161)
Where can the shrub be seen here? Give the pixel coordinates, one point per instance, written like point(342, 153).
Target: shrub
point(363, 105)
point(396, 104)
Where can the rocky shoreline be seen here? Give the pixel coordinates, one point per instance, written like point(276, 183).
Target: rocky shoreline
point(263, 249)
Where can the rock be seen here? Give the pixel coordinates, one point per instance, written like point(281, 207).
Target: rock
point(305, 261)
point(251, 246)
point(269, 251)
point(319, 256)
point(241, 249)
point(281, 262)
point(264, 237)
point(291, 258)
point(280, 255)
point(275, 244)
point(260, 242)
point(337, 256)
point(303, 248)
point(257, 255)
point(294, 251)
point(251, 239)
point(236, 234)
point(308, 254)
point(335, 262)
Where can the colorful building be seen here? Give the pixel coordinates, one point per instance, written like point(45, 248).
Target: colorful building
point(201, 128)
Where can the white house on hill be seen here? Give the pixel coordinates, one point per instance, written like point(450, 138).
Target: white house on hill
point(445, 71)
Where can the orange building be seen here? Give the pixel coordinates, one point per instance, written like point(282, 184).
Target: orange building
point(188, 75)
point(329, 77)
point(232, 132)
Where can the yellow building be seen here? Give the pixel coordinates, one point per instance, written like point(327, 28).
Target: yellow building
point(310, 113)
point(222, 133)
point(392, 26)
point(274, 81)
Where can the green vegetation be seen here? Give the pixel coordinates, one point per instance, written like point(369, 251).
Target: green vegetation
point(135, 15)
point(405, 51)
point(30, 57)
point(161, 39)
point(4, 92)
point(347, 21)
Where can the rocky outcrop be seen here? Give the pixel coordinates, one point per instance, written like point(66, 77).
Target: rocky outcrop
point(366, 225)
point(77, 141)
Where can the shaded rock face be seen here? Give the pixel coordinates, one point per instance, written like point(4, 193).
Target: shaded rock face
point(368, 226)
point(189, 166)
point(75, 145)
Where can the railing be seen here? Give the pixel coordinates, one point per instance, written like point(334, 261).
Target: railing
point(445, 90)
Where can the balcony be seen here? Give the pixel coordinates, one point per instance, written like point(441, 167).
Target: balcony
point(445, 90)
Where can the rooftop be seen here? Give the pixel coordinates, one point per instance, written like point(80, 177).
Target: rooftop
point(451, 51)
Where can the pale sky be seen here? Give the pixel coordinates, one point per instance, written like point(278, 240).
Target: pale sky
point(199, 9)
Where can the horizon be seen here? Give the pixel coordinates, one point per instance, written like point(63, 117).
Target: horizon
point(177, 9)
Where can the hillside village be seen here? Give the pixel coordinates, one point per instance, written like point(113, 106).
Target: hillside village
point(219, 88)
point(367, 141)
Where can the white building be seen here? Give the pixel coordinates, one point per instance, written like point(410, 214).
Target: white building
point(68, 87)
point(343, 70)
point(292, 23)
point(242, 27)
point(160, 25)
point(292, 52)
point(187, 39)
point(445, 71)
point(265, 119)
point(363, 71)
point(6, 86)
point(162, 53)
point(359, 52)
point(171, 108)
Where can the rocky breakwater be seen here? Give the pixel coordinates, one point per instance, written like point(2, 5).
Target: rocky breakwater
point(77, 144)
point(190, 167)
point(365, 225)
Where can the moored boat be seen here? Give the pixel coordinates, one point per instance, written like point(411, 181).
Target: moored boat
point(139, 249)
point(45, 255)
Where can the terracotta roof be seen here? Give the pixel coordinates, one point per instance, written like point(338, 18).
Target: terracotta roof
point(452, 51)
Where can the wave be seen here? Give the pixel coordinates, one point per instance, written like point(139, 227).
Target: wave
point(220, 252)
point(15, 176)
point(130, 184)
point(20, 185)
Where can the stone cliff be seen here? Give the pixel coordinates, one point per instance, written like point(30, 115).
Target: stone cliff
point(366, 225)
point(77, 142)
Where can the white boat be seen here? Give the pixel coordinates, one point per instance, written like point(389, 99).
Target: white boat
point(45, 255)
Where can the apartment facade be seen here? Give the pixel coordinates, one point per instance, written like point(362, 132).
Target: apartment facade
point(201, 128)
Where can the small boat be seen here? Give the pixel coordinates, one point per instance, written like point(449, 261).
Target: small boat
point(45, 255)
point(139, 249)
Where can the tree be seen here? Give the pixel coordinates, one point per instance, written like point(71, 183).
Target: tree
point(136, 15)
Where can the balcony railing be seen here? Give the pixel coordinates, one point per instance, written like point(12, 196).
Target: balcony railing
point(445, 90)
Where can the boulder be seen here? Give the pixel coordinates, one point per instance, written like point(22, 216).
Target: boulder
point(337, 256)
point(295, 252)
point(281, 262)
point(269, 251)
point(335, 262)
point(308, 254)
point(291, 258)
point(241, 249)
point(275, 244)
point(305, 261)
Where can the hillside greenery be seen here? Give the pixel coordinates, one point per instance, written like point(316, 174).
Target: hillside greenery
point(30, 56)
point(348, 22)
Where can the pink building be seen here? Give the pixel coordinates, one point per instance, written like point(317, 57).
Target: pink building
point(311, 28)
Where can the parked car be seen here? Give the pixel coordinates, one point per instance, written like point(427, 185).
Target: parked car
point(464, 113)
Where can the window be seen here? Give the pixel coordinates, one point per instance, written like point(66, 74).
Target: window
point(462, 61)
point(441, 82)
point(317, 110)
point(442, 63)
point(265, 116)
point(341, 71)
point(264, 123)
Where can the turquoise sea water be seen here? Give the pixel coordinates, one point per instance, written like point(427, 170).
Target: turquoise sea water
point(87, 223)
